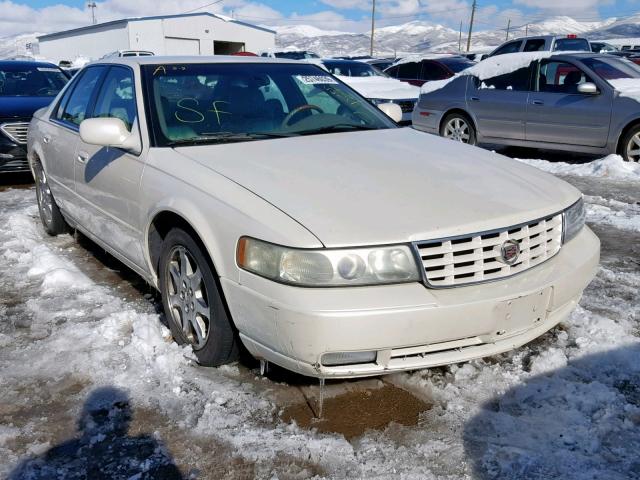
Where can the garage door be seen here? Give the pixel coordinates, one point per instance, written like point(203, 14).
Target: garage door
point(182, 46)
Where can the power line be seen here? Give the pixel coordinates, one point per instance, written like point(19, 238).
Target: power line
point(204, 6)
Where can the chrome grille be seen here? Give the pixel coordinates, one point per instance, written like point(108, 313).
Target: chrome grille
point(16, 131)
point(406, 105)
point(477, 258)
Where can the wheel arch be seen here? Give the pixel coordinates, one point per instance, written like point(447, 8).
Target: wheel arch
point(623, 133)
point(460, 111)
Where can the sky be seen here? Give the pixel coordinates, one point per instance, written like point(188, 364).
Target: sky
point(44, 16)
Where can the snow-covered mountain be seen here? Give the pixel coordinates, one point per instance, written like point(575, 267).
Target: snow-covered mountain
point(419, 36)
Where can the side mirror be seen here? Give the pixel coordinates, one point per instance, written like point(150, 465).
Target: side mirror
point(109, 132)
point(588, 88)
point(392, 110)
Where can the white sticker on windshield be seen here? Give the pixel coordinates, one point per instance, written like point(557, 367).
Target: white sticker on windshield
point(316, 79)
point(47, 69)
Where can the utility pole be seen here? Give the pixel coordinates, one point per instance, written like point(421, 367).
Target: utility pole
point(373, 25)
point(473, 14)
point(93, 7)
point(460, 38)
point(508, 26)
point(526, 30)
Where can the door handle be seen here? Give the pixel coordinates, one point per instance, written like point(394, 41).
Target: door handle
point(537, 102)
point(46, 138)
point(82, 157)
point(475, 99)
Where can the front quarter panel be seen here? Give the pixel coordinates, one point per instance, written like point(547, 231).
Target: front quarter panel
point(218, 209)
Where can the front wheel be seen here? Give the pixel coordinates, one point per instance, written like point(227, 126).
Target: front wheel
point(193, 301)
point(52, 220)
point(631, 145)
point(458, 127)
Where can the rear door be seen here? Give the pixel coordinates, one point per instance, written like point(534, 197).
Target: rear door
point(108, 179)
point(558, 113)
point(498, 104)
point(433, 71)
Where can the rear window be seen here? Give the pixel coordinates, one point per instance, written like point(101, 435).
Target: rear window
point(572, 45)
point(457, 65)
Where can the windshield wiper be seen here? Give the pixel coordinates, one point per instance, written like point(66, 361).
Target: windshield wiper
point(226, 137)
point(338, 127)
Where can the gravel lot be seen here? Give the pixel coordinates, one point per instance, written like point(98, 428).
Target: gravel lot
point(90, 383)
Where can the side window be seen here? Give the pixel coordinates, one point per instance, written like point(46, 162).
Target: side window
point(409, 70)
point(75, 110)
point(560, 77)
point(433, 71)
point(393, 71)
point(518, 80)
point(57, 114)
point(511, 47)
point(534, 45)
point(117, 98)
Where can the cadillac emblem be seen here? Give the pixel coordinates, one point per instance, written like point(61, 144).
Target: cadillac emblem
point(509, 252)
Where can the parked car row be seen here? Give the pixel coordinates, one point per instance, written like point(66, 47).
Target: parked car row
point(281, 211)
point(582, 102)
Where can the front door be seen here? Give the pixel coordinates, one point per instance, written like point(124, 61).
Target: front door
point(558, 113)
point(498, 104)
point(60, 136)
point(108, 179)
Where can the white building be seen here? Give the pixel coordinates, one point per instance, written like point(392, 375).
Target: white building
point(187, 34)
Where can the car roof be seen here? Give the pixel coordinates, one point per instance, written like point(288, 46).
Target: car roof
point(168, 60)
point(28, 63)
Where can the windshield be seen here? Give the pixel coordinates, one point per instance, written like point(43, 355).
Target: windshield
point(572, 45)
point(295, 55)
point(30, 81)
point(612, 68)
point(352, 69)
point(457, 65)
point(220, 103)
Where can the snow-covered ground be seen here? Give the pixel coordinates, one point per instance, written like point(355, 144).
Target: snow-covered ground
point(82, 347)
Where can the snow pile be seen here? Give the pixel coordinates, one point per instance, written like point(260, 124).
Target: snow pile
point(381, 87)
point(628, 87)
point(618, 214)
point(611, 166)
point(493, 67)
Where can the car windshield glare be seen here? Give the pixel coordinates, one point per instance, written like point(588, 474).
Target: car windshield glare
point(612, 68)
point(234, 102)
point(31, 81)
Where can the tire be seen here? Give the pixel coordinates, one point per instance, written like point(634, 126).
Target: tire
point(50, 216)
point(630, 147)
point(193, 301)
point(458, 127)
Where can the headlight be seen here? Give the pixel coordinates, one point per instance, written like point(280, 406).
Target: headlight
point(574, 220)
point(328, 267)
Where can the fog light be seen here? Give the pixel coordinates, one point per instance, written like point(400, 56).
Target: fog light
point(348, 358)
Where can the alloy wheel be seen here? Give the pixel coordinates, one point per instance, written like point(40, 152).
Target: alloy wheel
point(457, 129)
point(45, 199)
point(633, 148)
point(188, 297)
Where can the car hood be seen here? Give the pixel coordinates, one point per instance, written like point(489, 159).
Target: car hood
point(387, 186)
point(22, 107)
point(381, 87)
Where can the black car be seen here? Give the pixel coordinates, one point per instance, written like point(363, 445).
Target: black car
point(418, 71)
point(25, 86)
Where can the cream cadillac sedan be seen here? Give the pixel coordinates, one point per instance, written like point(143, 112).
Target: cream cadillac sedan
point(274, 207)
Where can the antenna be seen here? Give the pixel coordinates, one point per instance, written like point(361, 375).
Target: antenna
point(92, 6)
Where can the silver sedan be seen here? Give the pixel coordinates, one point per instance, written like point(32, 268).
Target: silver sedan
point(586, 103)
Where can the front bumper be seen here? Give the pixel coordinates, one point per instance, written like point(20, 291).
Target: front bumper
point(409, 326)
point(13, 158)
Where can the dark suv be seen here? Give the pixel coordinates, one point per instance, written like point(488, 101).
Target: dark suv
point(418, 71)
point(25, 87)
